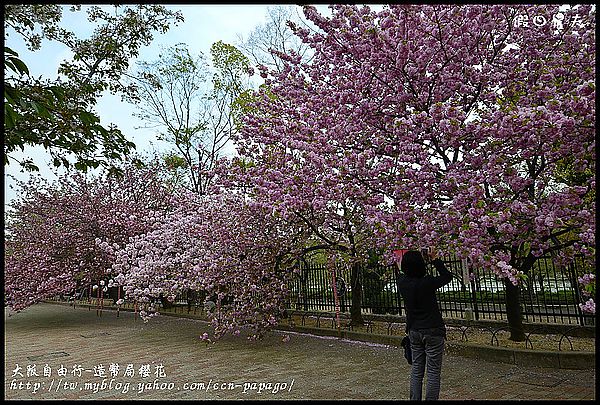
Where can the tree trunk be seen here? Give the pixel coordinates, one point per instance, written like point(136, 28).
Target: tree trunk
point(355, 309)
point(513, 312)
point(166, 304)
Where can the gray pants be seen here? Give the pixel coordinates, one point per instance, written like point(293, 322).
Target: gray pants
point(427, 350)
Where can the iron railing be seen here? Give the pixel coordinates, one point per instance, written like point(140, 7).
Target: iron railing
point(549, 295)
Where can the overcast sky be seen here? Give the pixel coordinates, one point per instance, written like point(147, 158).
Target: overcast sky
point(204, 25)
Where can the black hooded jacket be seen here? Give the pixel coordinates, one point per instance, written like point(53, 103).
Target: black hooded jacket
point(418, 293)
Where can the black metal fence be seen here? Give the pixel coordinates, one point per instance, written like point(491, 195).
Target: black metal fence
point(549, 295)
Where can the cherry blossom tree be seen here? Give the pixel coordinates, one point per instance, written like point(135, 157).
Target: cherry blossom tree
point(57, 233)
point(588, 288)
point(222, 245)
point(445, 126)
point(299, 186)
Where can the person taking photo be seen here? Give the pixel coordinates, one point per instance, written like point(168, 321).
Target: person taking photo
point(424, 324)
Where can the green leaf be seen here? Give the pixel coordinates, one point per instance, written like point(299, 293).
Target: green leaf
point(10, 116)
point(11, 94)
point(29, 166)
point(81, 166)
point(58, 92)
point(20, 65)
point(10, 65)
point(36, 107)
point(10, 51)
point(87, 117)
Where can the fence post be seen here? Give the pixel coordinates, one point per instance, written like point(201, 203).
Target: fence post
point(395, 281)
point(336, 300)
point(101, 296)
point(471, 282)
point(303, 281)
point(98, 300)
point(573, 276)
point(474, 299)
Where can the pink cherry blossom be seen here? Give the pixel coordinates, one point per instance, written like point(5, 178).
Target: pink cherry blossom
point(235, 254)
point(62, 235)
point(433, 125)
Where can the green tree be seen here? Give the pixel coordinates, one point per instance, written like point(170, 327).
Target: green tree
point(59, 114)
point(193, 104)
